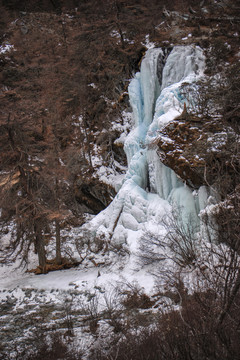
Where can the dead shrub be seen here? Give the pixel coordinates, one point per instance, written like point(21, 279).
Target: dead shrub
point(177, 242)
point(137, 299)
point(192, 333)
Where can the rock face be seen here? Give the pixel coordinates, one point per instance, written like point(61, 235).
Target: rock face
point(93, 195)
point(177, 150)
point(196, 149)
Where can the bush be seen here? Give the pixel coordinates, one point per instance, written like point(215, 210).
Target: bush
point(193, 333)
point(176, 241)
point(45, 346)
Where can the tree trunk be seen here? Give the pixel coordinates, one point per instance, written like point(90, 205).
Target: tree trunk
point(58, 243)
point(40, 248)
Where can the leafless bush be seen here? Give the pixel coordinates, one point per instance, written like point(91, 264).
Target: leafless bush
point(220, 260)
point(176, 241)
point(194, 333)
point(132, 296)
point(113, 312)
point(44, 345)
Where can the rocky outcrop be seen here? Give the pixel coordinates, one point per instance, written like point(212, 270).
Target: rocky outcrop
point(93, 195)
point(197, 149)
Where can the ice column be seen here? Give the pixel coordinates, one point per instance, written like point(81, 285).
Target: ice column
point(183, 64)
point(143, 92)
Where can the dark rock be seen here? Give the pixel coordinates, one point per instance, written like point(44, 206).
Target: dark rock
point(94, 195)
point(194, 148)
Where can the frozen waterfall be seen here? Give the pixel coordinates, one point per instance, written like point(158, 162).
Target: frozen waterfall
point(150, 189)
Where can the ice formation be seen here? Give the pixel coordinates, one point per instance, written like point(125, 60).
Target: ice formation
point(150, 189)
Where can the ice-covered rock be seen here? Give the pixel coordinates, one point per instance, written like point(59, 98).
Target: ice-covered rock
point(183, 63)
point(162, 179)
